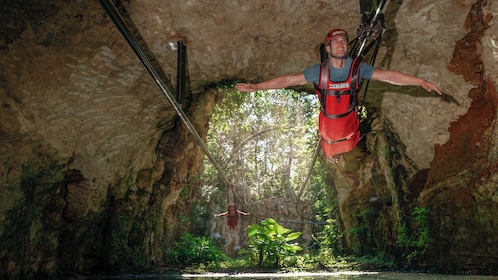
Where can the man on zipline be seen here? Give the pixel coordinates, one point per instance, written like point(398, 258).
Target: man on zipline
point(232, 214)
point(337, 83)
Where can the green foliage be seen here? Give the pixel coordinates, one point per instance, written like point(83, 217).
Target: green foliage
point(419, 241)
point(327, 239)
point(363, 234)
point(308, 262)
point(329, 236)
point(192, 250)
point(269, 242)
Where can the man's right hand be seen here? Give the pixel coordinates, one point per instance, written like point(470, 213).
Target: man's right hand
point(245, 87)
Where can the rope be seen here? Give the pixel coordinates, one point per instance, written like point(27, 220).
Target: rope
point(310, 170)
point(306, 181)
point(290, 222)
point(120, 23)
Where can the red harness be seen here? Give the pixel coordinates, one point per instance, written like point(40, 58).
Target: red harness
point(232, 220)
point(338, 121)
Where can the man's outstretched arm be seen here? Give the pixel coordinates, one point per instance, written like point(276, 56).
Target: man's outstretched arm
point(221, 214)
point(275, 83)
point(402, 79)
point(243, 213)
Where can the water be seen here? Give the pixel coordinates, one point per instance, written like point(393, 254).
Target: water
point(312, 276)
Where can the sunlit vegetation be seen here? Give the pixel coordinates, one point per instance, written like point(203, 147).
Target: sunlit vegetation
point(264, 142)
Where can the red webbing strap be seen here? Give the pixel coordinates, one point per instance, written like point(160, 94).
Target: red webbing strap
point(354, 74)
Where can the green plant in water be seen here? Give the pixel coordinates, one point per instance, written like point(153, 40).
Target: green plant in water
point(269, 242)
point(419, 241)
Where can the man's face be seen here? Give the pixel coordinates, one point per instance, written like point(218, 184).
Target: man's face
point(338, 46)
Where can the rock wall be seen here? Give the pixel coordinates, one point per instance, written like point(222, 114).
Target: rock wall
point(468, 190)
point(93, 159)
point(380, 199)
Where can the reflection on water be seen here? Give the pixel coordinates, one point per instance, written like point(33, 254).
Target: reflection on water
point(313, 276)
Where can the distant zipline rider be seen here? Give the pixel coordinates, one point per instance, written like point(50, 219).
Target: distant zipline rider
point(232, 215)
point(337, 81)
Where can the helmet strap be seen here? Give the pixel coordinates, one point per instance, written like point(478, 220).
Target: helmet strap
point(339, 57)
point(342, 58)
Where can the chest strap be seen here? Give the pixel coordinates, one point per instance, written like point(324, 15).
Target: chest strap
point(354, 87)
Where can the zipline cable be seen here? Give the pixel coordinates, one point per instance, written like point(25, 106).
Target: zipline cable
point(120, 23)
point(310, 171)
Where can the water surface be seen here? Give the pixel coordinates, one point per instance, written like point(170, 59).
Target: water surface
point(315, 276)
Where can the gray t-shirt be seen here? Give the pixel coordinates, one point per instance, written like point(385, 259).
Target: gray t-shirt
point(312, 74)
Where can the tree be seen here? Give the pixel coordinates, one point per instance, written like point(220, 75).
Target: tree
point(264, 141)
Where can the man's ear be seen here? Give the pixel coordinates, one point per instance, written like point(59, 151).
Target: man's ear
point(327, 48)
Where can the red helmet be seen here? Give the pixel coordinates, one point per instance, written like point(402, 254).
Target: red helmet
point(334, 33)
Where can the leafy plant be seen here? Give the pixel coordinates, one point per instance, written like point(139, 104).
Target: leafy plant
point(419, 241)
point(328, 240)
point(191, 250)
point(269, 242)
